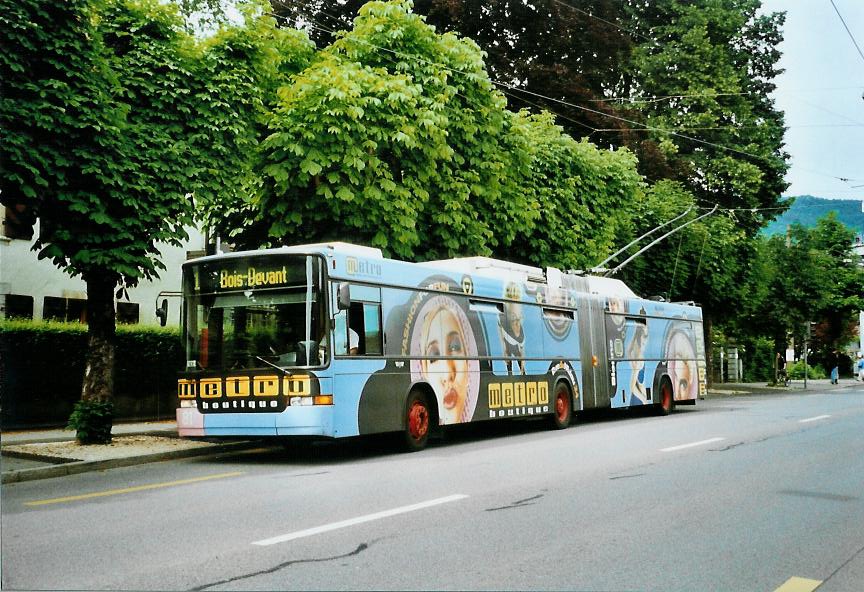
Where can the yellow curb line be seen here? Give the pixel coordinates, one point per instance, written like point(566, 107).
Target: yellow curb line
point(795, 584)
point(73, 498)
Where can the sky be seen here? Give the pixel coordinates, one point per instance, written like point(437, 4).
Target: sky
point(821, 94)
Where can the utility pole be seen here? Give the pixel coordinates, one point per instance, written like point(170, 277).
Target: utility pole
point(806, 370)
point(809, 329)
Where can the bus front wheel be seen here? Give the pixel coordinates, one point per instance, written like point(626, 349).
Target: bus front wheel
point(562, 411)
point(418, 422)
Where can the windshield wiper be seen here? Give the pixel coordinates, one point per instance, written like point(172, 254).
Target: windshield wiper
point(272, 365)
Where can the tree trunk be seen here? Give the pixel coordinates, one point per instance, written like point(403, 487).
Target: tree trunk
point(98, 386)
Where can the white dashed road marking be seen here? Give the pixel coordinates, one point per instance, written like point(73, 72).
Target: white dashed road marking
point(358, 520)
point(691, 445)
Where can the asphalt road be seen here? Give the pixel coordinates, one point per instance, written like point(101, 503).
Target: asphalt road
point(737, 493)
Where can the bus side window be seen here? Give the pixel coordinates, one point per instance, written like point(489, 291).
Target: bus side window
point(372, 335)
point(360, 324)
point(355, 324)
point(364, 318)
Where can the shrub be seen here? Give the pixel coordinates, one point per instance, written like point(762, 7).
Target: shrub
point(92, 421)
point(42, 368)
point(796, 371)
point(759, 365)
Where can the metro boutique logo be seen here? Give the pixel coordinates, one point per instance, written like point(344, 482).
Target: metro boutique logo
point(355, 266)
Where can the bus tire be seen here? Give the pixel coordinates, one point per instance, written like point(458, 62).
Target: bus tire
point(562, 406)
point(418, 421)
point(666, 404)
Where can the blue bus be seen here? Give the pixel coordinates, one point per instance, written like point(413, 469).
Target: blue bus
point(334, 340)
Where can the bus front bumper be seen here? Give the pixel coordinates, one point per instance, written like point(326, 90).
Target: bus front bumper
point(312, 420)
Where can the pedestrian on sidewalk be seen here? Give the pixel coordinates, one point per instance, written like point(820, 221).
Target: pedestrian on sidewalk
point(859, 367)
point(834, 364)
point(781, 376)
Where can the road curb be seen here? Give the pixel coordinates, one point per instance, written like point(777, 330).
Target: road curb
point(68, 435)
point(76, 467)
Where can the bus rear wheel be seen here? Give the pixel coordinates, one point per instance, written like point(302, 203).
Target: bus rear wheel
point(418, 422)
point(562, 412)
point(667, 401)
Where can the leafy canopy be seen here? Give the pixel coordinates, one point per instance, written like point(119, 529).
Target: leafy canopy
point(93, 117)
point(395, 136)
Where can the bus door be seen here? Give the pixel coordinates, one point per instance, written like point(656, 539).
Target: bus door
point(592, 342)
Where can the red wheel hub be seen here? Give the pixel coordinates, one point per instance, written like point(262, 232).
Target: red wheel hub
point(561, 405)
point(667, 397)
point(418, 420)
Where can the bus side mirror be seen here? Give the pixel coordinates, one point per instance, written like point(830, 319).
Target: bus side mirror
point(344, 299)
point(162, 313)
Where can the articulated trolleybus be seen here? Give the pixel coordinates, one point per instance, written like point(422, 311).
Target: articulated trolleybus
point(333, 340)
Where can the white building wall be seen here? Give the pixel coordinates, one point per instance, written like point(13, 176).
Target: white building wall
point(23, 273)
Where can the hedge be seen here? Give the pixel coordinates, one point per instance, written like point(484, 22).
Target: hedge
point(42, 366)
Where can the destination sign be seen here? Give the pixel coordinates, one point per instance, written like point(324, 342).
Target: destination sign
point(252, 278)
point(249, 273)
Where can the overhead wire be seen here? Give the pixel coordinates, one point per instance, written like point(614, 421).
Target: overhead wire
point(658, 98)
point(845, 26)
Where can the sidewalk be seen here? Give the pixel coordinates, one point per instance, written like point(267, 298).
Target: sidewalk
point(41, 454)
point(795, 386)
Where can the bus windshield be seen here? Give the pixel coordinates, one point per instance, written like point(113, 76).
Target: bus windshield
point(254, 312)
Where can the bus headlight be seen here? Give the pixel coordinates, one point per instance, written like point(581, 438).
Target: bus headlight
point(316, 400)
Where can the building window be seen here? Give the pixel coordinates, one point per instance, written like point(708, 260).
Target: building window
point(16, 306)
point(17, 222)
point(127, 313)
point(73, 310)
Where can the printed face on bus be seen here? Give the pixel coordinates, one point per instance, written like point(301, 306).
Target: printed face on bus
point(514, 319)
point(636, 353)
point(445, 366)
point(682, 366)
point(444, 350)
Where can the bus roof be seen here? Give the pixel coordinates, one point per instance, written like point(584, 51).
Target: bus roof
point(480, 266)
point(337, 247)
point(489, 267)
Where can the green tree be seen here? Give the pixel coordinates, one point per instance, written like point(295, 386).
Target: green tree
point(237, 75)
point(394, 136)
point(843, 279)
point(787, 283)
point(714, 61)
point(113, 118)
point(534, 50)
point(584, 196)
point(810, 275)
point(69, 158)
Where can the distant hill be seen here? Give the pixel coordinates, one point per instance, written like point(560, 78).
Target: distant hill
point(806, 210)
